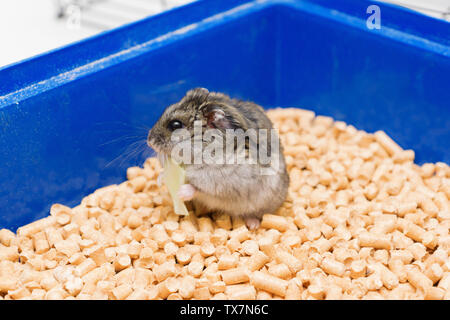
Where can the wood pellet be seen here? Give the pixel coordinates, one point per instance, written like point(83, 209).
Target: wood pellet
point(361, 221)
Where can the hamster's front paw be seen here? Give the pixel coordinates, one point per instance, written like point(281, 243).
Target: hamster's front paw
point(252, 223)
point(159, 180)
point(186, 192)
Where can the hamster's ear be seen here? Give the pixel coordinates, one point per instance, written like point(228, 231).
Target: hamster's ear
point(197, 92)
point(217, 119)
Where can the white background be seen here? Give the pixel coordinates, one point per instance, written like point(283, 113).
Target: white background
point(30, 27)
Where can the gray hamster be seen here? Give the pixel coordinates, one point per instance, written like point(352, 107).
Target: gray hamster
point(235, 188)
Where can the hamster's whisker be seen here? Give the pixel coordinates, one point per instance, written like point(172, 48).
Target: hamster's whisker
point(150, 152)
point(120, 139)
point(114, 126)
point(130, 151)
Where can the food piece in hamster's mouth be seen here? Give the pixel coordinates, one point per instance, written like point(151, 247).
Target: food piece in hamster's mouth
point(174, 177)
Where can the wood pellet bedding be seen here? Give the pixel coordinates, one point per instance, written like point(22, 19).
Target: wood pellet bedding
point(361, 221)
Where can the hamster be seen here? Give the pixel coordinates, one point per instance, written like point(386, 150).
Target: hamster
point(235, 188)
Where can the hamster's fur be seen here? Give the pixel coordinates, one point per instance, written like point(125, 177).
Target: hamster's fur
point(235, 189)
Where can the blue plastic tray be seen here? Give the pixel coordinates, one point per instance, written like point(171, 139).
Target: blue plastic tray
point(74, 119)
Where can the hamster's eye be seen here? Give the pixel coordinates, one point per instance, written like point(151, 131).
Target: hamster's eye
point(174, 125)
